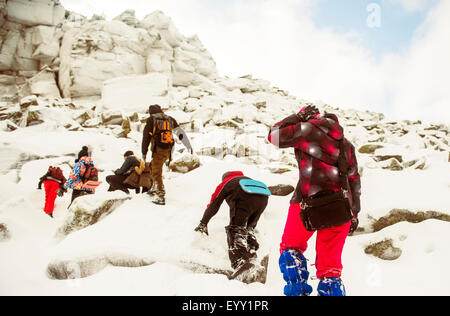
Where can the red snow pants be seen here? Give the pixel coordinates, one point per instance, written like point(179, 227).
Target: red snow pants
point(51, 188)
point(329, 243)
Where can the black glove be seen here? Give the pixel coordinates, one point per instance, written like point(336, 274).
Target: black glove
point(308, 113)
point(60, 192)
point(354, 225)
point(202, 228)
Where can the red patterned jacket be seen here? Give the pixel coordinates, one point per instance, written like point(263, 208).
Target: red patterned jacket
point(317, 150)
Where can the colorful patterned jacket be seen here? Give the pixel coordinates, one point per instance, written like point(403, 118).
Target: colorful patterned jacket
point(75, 181)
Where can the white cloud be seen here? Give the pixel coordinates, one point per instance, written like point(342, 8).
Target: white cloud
point(278, 41)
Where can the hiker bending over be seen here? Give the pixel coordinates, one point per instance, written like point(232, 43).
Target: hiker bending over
point(247, 200)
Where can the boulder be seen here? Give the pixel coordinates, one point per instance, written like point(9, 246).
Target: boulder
point(281, 189)
point(90, 209)
point(384, 250)
point(129, 18)
point(392, 164)
point(46, 40)
point(99, 51)
point(44, 84)
point(8, 50)
point(28, 101)
point(36, 12)
point(185, 163)
point(369, 149)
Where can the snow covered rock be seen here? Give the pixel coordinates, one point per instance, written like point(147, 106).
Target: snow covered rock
point(98, 51)
point(8, 50)
point(384, 250)
point(281, 189)
point(36, 12)
point(128, 17)
point(89, 209)
point(84, 267)
point(369, 149)
point(185, 163)
point(136, 92)
point(44, 84)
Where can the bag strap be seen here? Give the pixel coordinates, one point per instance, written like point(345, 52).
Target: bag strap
point(343, 166)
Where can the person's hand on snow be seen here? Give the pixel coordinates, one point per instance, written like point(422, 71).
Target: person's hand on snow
point(308, 113)
point(202, 228)
point(354, 225)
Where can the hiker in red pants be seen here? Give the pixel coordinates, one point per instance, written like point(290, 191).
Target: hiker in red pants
point(326, 200)
point(53, 182)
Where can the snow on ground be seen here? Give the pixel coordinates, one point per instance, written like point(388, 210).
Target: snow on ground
point(165, 235)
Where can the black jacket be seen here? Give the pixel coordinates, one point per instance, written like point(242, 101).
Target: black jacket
point(128, 166)
point(148, 132)
point(240, 202)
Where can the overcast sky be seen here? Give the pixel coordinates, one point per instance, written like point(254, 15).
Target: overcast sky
point(389, 56)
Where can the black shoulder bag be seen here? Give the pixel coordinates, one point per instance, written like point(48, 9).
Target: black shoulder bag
point(329, 209)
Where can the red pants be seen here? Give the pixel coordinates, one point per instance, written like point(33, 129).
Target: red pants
point(51, 188)
point(329, 244)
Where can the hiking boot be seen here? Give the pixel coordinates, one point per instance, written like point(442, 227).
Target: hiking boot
point(159, 200)
point(152, 191)
point(331, 286)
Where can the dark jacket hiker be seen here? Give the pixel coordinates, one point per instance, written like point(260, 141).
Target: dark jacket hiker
point(158, 135)
point(245, 211)
point(117, 181)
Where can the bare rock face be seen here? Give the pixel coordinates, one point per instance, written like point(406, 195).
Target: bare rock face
point(100, 51)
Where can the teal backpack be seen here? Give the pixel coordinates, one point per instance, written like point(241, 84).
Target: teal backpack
point(254, 187)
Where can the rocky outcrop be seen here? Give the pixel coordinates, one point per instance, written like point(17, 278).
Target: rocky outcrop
point(281, 189)
point(384, 250)
point(82, 55)
point(90, 209)
point(37, 12)
point(185, 163)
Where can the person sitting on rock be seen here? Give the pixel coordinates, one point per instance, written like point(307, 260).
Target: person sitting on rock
point(53, 182)
point(118, 180)
point(247, 200)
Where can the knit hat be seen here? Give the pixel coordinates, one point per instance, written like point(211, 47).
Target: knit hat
point(83, 152)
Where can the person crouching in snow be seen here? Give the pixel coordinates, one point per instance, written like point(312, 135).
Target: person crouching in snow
point(325, 174)
point(130, 165)
point(53, 182)
point(77, 176)
point(247, 199)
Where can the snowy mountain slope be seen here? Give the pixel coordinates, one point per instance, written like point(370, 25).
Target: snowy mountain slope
point(143, 249)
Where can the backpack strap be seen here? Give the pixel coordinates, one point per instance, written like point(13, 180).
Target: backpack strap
point(343, 166)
